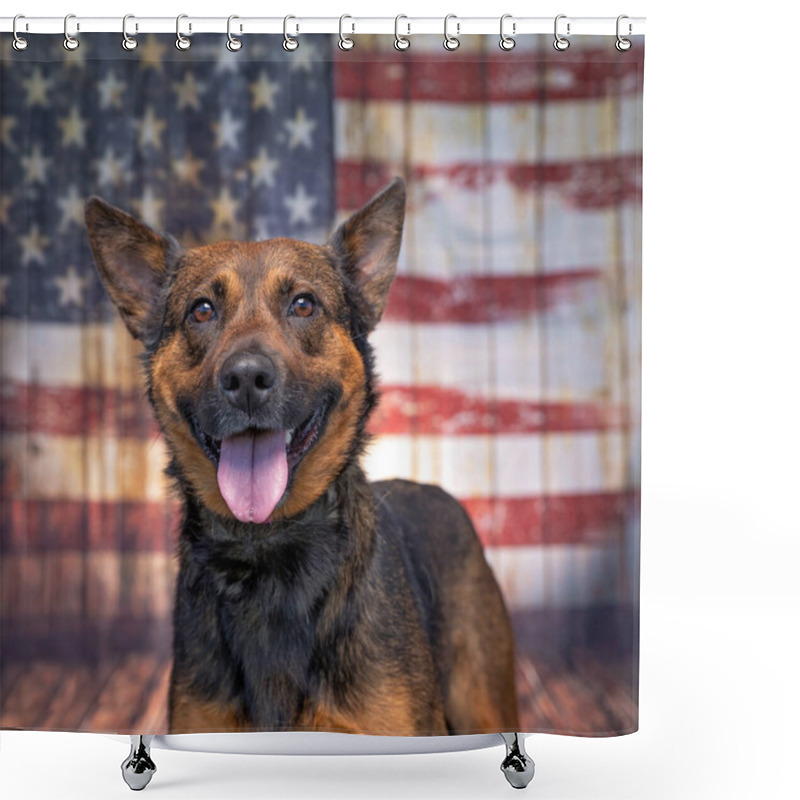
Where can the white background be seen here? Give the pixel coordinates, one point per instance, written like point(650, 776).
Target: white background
point(720, 533)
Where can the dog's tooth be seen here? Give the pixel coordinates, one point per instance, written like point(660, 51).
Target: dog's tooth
point(288, 436)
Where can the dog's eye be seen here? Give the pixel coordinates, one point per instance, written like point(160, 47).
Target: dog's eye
point(202, 311)
point(303, 305)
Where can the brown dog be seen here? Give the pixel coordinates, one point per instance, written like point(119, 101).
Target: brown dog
point(307, 598)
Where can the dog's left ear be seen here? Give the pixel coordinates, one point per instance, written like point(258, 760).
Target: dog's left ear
point(368, 244)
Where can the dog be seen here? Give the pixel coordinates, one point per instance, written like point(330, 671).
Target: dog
point(307, 598)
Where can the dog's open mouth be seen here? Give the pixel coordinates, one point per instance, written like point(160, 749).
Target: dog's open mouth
point(254, 466)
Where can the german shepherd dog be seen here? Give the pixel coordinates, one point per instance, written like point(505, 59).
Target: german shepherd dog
point(307, 598)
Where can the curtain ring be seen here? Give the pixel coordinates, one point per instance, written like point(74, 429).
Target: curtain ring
point(345, 43)
point(19, 43)
point(507, 42)
point(290, 44)
point(560, 43)
point(233, 44)
point(622, 44)
point(182, 43)
point(451, 42)
point(128, 42)
point(70, 42)
point(401, 42)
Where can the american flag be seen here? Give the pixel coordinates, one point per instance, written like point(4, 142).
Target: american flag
point(509, 354)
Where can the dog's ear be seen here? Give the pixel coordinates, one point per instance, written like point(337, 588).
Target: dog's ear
point(132, 260)
point(368, 244)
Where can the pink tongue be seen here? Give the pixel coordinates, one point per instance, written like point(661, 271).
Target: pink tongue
point(252, 473)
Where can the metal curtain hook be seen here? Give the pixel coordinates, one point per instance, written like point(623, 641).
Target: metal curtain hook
point(70, 42)
point(289, 43)
point(560, 43)
point(623, 44)
point(233, 44)
point(401, 42)
point(19, 43)
point(182, 43)
point(344, 42)
point(507, 42)
point(451, 42)
point(128, 42)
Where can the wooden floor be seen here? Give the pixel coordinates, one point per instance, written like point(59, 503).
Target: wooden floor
point(129, 695)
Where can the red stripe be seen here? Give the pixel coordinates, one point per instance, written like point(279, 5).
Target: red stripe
point(430, 410)
point(482, 298)
point(590, 183)
point(60, 525)
point(487, 78)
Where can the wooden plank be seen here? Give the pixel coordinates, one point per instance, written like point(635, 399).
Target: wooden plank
point(78, 691)
point(27, 705)
point(153, 718)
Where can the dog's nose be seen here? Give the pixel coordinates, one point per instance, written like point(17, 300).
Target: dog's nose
point(246, 380)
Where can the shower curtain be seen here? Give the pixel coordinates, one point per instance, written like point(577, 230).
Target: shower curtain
point(508, 356)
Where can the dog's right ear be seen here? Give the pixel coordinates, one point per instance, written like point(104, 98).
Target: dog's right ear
point(132, 259)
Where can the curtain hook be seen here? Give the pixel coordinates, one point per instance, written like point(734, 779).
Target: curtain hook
point(507, 42)
point(451, 42)
point(128, 42)
point(70, 42)
point(233, 44)
point(290, 44)
point(622, 44)
point(19, 42)
point(401, 42)
point(346, 43)
point(560, 43)
point(182, 43)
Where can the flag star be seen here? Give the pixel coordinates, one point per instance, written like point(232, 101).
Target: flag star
point(5, 204)
point(73, 129)
point(111, 91)
point(36, 87)
point(150, 52)
point(300, 206)
point(149, 208)
point(71, 209)
point(227, 61)
point(33, 246)
point(189, 92)
point(35, 166)
point(303, 58)
point(263, 92)
point(261, 230)
point(227, 129)
point(188, 169)
point(263, 168)
point(225, 208)
point(70, 287)
point(300, 129)
point(150, 129)
point(7, 124)
point(109, 169)
point(4, 281)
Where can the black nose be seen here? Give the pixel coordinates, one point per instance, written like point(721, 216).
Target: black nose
point(246, 380)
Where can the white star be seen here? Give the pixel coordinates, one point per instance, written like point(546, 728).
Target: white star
point(263, 91)
point(300, 205)
point(303, 58)
point(71, 209)
point(33, 246)
point(7, 124)
point(37, 88)
point(73, 129)
point(150, 129)
point(261, 230)
point(109, 169)
point(263, 168)
point(227, 61)
point(188, 169)
point(189, 92)
point(227, 129)
point(70, 287)
point(150, 52)
point(35, 166)
point(149, 208)
point(300, 129)
point(111, 91)
point(4, 281)
point(225, 208)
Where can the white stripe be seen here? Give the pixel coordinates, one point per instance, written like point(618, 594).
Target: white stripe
point(516, 465)
point(558, 576)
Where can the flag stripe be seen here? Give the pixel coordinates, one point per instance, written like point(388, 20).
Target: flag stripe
point(62, 525)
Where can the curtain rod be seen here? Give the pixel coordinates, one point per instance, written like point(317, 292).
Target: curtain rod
point(351, 25)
